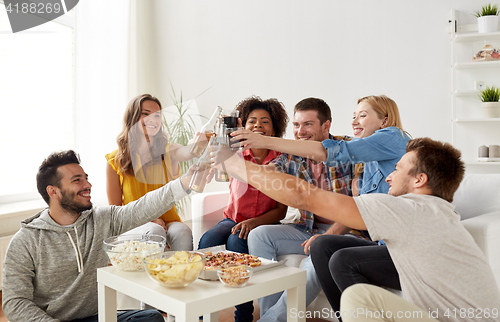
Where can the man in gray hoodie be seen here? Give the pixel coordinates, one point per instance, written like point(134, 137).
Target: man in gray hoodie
point(50, 270)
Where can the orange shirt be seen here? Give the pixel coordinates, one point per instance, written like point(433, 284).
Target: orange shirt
point(245, 201)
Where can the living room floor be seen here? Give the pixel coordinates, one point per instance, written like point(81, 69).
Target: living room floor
point(226, 315)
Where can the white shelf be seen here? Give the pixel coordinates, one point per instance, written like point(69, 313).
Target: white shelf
point(474, 36)
point(472, 162)
point(468, 133)
point(476, 119)
point(477, 64)
point(470, 93)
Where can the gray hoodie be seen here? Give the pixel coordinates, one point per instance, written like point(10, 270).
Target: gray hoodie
point(50, 271)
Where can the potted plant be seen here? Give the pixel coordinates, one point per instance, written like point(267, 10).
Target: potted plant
point(490, 97)
point(180, 127)
point(487, 18)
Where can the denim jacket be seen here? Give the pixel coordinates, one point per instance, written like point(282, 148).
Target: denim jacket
point(380, 152)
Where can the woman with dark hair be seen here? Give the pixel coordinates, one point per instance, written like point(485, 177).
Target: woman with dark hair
point(146, 161)
point(248, 208)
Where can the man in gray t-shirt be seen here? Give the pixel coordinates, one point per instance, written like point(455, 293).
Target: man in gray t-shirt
point(443, 272)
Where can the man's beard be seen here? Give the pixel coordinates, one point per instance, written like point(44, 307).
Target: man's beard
point(69, 205)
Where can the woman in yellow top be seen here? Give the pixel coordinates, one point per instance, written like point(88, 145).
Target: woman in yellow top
point(145, 161)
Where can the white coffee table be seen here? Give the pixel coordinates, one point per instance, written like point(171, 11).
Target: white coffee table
point(201, 298)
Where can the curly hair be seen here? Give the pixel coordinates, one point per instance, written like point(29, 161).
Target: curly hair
point(275, 108)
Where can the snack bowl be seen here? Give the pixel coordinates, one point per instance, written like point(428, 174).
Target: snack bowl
point(127, 252)
point(234, 276)
point(175, 268)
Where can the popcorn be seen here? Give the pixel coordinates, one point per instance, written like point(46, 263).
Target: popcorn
point(128, 256)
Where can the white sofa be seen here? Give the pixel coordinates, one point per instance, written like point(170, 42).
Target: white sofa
point(477, 201)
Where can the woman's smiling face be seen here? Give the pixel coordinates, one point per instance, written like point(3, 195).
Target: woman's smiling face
point(150, 118)
point(366, 121)
point(259, 121)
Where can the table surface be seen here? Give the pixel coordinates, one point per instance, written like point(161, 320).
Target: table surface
point(202, 296)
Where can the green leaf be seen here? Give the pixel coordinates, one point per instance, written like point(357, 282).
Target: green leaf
point(180, 129)
point(487, 10)
point(490, 94)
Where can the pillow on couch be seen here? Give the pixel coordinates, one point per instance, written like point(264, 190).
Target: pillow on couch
point(478, 194)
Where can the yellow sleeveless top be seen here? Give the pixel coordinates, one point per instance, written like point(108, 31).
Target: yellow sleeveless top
point(146, 180)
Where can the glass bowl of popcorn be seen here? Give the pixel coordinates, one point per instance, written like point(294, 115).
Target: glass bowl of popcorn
point(126, 252)
point(175, 268)
point(234, 276)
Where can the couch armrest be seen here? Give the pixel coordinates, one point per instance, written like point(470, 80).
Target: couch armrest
point(485, 230)
point(207, 209)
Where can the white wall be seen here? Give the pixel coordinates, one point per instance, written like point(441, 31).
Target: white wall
point(101, 85)
point(335, 50)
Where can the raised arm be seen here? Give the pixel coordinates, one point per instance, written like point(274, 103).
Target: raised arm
point(152, 205)
point(313, 150)
point(385, 144)
point(180, 153)
point(292, 191)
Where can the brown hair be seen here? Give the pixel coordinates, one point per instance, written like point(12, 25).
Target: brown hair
point(129, 135)
point(315, 104)
point(442, 164)
point(275, 108)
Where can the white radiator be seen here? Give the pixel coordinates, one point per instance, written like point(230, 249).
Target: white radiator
point(4, 242)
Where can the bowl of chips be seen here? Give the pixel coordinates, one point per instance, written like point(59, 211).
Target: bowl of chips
point(234, 276)
point(175, 268)
point(127, 252)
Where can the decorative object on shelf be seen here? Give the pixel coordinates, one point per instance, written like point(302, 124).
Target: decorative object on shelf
point(487, 18)
point(494, 151)
point(483, 151)
point(479, 85)
point(486, 54)
point(489, 154)
point(490, 97)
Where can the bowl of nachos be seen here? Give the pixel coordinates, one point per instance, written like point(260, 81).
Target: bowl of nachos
point(175, 268)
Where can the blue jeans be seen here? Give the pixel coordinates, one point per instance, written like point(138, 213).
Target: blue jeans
point(220, 234)
point(273, 241)
point(131, 316)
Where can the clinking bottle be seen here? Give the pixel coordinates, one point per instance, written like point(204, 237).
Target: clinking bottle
point(222, 140)
point(199, 178)
point(206, 132)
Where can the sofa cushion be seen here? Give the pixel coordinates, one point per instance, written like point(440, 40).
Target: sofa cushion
point(478, 194)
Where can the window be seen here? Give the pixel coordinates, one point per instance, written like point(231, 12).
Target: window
point(36, 101)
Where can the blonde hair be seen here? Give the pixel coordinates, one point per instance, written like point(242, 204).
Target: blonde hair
point(129, 136)
point(385, 108)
